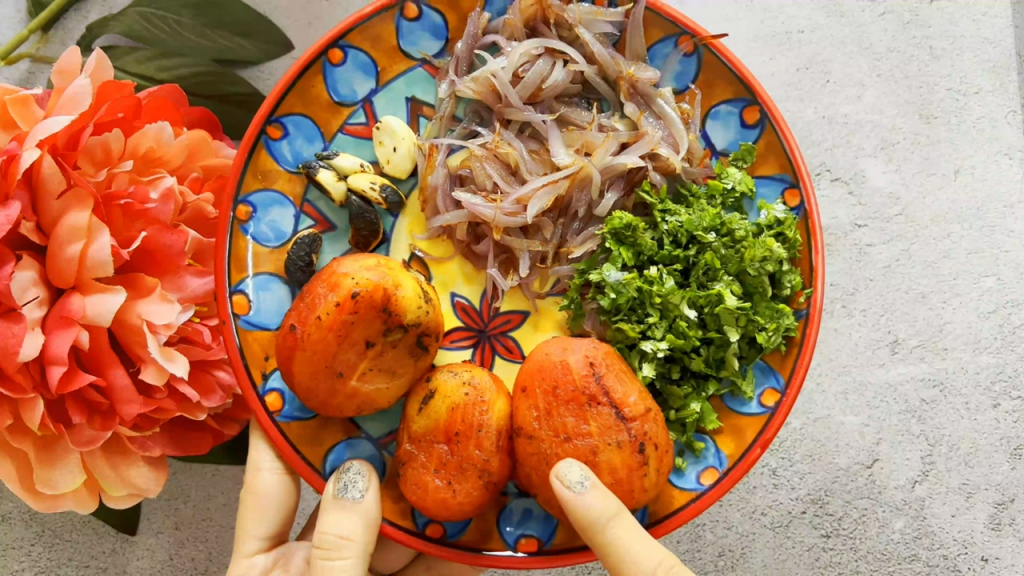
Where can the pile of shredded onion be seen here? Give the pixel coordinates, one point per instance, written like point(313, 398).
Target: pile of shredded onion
point(557, 130)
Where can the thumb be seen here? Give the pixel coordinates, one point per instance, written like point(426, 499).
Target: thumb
point(604, 523)
point(349, 520)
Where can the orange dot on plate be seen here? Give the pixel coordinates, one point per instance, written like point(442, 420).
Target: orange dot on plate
point(791, 196)
point(435, 531)
point(686, 44)
point(751, 115)
point(410, 11)
point(770, 397)
point(336, 56)
point(275, 131)
point(709, 476)
point(240, 304)
point(799, 303)
point(243, 212)
point(274, 401)
point(527, 545)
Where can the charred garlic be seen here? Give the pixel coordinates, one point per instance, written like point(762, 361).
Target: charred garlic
point(345, 164)
point(300, 263)
point(351, 182)
point(378, 190)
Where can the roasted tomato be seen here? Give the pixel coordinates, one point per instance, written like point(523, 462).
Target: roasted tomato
point(454, 452)
point(577, 398)
point(359, 334)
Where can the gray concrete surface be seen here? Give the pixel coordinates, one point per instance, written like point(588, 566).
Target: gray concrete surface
point(905, 453)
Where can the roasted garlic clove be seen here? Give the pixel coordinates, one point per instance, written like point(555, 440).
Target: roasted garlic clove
point(326, 180)
point(378, 190)
point(345, 164)
point(365, 226)
point(394, 144)
point(300, 262)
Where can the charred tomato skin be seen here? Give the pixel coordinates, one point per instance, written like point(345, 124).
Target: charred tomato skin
point(454, 447)
point(358, 335)
point(578, 398)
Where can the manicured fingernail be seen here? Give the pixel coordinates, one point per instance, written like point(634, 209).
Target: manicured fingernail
point(573, 476)
point(351, 481)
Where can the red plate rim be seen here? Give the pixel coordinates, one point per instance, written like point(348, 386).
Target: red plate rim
point(702, 502)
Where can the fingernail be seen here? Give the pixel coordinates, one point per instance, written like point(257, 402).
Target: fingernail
point(351, 481)
point(573, 476)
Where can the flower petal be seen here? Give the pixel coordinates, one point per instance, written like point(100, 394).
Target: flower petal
point(82, 437)
point(7, 407)
point(198, 118)
point(16, 473)
point(56, 466)
point(171, 92)
point(121, 471)
point(7, 263)
point(48, 184)
point(190, 285)
point(101, 152)
point(73, 379)
point(75, 100)
point(31, 411)
point(104, 363)
point(33, 292)
point(505, 322)
point(147, 312)
point(180, 436)
point(101, 302)
point(65, 71)
point(97, 259)
point(44, 130)
point(24, 110)
point(13, 328)
point(98, 68)
point(10, 212)
point(68, 239)
point(172, 361)
point(152, 148)
point(120, 502)
point(13, 389)
point(62, 330)
point(466, 312)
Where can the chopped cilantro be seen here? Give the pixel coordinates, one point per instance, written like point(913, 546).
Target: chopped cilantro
point(692, 293)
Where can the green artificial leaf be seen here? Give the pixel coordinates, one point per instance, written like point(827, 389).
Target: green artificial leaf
point(220, 30)
point(232, 98)
point(231, 453)
point(124, 521)
point(36, 7)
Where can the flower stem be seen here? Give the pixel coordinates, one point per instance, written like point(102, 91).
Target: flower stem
point(21, 37)
point(32, 56)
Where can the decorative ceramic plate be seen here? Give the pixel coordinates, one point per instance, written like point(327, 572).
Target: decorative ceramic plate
point(372, 65)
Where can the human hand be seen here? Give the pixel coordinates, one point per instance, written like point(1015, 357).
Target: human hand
point(340, 540)
point(611, 531)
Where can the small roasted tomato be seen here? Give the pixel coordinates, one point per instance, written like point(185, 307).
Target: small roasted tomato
point(454, 447)
point(578, 398)
point(359, 334)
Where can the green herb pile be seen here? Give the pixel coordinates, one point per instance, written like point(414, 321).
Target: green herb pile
point(692, 293)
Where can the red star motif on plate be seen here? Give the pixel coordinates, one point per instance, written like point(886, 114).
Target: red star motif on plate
point(486, 331)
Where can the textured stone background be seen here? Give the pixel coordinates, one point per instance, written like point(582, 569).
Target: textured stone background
point(905, 453)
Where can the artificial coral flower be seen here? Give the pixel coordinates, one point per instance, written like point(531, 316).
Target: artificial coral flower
point(110, 355)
